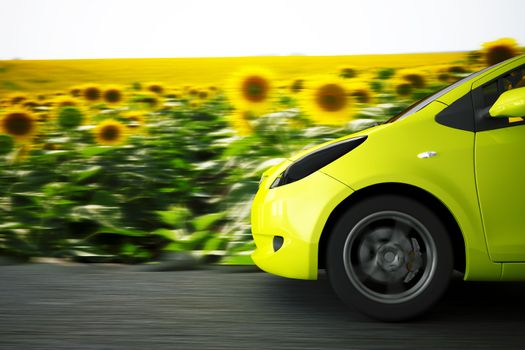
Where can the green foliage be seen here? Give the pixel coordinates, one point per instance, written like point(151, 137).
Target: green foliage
point(386, 73)
point(6, 144)
point(69, 117)
point(183, 182)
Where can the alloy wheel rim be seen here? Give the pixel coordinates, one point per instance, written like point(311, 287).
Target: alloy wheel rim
point(390, 257)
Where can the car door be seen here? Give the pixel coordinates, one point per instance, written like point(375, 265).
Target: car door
point(500, 170)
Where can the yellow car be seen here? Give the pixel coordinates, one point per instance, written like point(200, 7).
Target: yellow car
point(391, 211)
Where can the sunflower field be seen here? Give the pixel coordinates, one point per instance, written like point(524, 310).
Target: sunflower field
point(130, 172)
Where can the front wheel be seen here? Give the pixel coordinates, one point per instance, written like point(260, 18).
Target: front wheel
point(390, 257)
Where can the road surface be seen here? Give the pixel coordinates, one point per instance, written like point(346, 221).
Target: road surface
point(45, 306)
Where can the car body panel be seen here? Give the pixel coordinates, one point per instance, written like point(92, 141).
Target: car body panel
point(297, 212)
point(448, 176)
point(500, 180)
point(513, 272)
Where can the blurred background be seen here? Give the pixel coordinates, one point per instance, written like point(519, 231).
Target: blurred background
point(109, 153)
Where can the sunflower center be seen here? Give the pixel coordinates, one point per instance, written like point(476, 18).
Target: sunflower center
point(156, 89)
point(348, 73)
point(297, 86)
point(112, 96)
point(416, 80)
point(404, 89)
point(361, 96)
point(110, 133)
point(17, 99)
point(255, 89)
point(92, 94)
point(67, 104)
point(18, 124)
point(331, 98)
point(499, 54)
point(152, 101)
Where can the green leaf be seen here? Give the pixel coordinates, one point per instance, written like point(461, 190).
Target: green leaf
point(6, 144)
point(95, 150)
point(176, 247)
point(237, 260)
point(122, 231)
point(81, 175)
point(241, 248)
point(215, 243)
point(106, 216)
point(195, 239)
point(172, 235)
point(104, 198)
point(175, 216)
point(204, 222)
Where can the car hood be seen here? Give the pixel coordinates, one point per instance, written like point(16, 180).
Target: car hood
point(366, 132)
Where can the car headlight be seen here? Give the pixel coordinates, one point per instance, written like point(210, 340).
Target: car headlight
point(314, 161)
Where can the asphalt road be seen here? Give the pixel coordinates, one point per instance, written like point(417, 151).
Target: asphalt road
point(124, 307)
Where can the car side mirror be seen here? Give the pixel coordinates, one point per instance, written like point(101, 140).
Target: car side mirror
point(510, 104)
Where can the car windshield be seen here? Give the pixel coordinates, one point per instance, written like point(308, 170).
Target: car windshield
point(427, 100)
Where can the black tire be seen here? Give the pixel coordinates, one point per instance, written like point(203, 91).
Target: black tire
point(390, 257)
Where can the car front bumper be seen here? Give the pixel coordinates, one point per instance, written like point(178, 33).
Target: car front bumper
point(297, 212)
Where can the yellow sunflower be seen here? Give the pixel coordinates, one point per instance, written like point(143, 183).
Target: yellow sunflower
point(252, 89)
point(16, 99)
point(457, 69)
point(416, 77)
point(240, 120)
point(75, 91)
point(450, 73)
point(347, 72)
point(328, 102)
point(149, 99)
point(402, 88)
point(30, 104)
point(113, 95)
point(65, 102)
point(136, 122)
point(203, 95)
point(500, 50)
point(194, 103)
point(296, 86)
point(442, 74)
point(92, 93)
point(156, 88)
point(193, 92)
point(361, 92)
point(174, 94)
point(19, 124)
point(110, 133)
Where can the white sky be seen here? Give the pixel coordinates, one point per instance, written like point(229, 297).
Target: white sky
point(50, 29)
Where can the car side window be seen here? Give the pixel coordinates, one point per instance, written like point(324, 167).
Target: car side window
point(514, 79)
point(486, 95)
point(490, 93)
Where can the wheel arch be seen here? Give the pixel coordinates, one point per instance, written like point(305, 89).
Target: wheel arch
point(401, 189)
